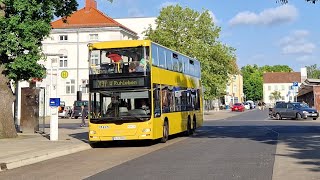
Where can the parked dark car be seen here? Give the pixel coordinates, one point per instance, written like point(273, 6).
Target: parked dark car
point(294, 110)
point(77, 108)
point(271, 109)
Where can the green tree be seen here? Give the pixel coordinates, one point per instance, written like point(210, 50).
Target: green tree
point(275, 95)
point(313, 71)
point(195, 34)
point(253, 79)
point(23, 25)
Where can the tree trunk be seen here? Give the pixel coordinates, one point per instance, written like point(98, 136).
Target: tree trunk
point(7, 127)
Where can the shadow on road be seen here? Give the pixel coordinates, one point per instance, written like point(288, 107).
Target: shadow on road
point(303, 141)
point(112, 144)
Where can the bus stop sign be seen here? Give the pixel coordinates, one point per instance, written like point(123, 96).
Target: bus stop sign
point(54, 102)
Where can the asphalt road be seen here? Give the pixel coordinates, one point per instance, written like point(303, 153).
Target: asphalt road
point(240, 147)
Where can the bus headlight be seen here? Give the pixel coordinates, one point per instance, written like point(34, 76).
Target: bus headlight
point(146, 130)
point(305, 112)
point(92, 132)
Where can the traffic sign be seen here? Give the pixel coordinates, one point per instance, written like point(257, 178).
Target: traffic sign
point(295, 84)
point(54, 102)
point(64, 74)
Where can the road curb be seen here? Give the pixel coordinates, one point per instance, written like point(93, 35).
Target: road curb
point(42, 157)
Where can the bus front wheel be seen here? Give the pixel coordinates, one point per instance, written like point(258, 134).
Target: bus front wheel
point(165, 136)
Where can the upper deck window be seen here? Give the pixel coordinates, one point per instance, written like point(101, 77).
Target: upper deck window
point(120, 60)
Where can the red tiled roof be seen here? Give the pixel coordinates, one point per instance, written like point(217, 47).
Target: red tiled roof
point(87, 18)
point(281, 77)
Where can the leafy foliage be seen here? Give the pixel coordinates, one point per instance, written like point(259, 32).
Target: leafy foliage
point(194, 34)
point(25, 24)
point(253, 79)
point(275, 95)
point(313, 71)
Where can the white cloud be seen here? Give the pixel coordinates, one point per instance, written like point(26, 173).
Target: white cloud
point(214, 18)
point(282, 14)
point(168, 3)
point(297, 43)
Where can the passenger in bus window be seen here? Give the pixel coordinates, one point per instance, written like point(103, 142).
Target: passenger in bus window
point(117, 59)
point(133, 65)
point(143, 65)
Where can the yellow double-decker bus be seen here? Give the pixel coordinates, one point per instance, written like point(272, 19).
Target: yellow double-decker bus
point(140, 90)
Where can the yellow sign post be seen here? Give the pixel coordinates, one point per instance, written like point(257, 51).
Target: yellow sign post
point(64, 74)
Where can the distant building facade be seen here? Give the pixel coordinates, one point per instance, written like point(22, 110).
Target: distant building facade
point(309, 92)
point(287, 83)
point(234, 90)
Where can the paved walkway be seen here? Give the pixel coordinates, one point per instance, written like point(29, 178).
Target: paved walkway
point(33, 148)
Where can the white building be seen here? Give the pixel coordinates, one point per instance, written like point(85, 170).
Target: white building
point(283, 82)
point(67, 51)
point(138, 25)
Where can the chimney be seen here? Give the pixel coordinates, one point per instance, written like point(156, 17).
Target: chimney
point(304, 74)
point(90, 4)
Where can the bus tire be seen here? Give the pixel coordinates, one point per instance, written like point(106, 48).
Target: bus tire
point(165, 131)
point(194, 125)
point(189, 129)
point(95, 144)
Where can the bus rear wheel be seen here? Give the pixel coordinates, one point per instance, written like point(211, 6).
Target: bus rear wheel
point(189, 129)
point(165, 131)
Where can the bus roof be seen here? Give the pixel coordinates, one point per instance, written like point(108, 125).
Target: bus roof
point(127, 43)
point(119, 44)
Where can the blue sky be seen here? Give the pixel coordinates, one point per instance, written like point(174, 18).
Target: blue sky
point(263, 32)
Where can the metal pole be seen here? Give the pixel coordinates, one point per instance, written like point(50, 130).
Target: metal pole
point(16, 102)
point(44, 111)
point(77, 83)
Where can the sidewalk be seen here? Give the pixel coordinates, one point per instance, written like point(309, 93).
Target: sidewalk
point(32, 148)
point(212, 115)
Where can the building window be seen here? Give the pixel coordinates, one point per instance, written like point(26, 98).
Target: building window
point(276, 87)
point(269, 88)
point(93, 37)
point(235, 88)
point(95, 59)
point(70, 87)
point(63, 61)
point(63, 37)
point(84, 86)
point(282, 87)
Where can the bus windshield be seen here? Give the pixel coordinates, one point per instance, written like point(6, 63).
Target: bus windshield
point(120, 105)
point(119, 60)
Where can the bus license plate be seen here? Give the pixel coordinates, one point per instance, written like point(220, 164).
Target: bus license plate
point(119, 138)
point(314, 114)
